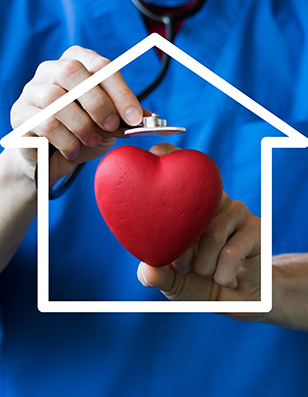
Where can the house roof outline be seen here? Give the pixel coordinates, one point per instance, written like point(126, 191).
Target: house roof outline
point(292, 139)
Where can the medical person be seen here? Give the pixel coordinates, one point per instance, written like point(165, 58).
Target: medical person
point(257, 46)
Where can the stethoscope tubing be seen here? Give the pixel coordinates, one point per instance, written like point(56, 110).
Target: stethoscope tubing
point(169, 20)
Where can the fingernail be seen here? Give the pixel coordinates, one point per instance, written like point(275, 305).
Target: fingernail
point(141, 266)
point(94, 139)
point(133, 116)
point(111, 123)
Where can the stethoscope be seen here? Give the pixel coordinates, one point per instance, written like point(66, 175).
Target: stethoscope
point(151, 125)
point(169, 20)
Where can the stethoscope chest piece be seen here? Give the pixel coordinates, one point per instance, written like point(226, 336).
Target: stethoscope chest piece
point(153, 125)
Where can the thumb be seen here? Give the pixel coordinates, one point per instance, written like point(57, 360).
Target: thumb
point(163, 148)
point(162, 278)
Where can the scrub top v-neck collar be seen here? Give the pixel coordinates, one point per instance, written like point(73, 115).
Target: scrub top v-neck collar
point(119, 25)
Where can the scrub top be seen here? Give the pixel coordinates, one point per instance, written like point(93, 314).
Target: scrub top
point(260, 47)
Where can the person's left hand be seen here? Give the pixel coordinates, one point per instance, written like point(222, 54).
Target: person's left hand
point(223, 265)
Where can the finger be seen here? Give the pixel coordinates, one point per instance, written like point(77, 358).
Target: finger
point(210, 244)
point(74, 118)
point(80, 124)
point(163, 148)
point(243, 244)
point(123, 98)
point(173, 285)
point(214, 238)
point(56, 133)
point(67, 74)
point(161, 278)
point(60, 137)
point(120, 94)
point(183, 264)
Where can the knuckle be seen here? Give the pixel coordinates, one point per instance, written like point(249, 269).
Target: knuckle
point(96, 61)
point(52, 93)
point(215, 237)
point(28, 89)
point(100, 63)
point(71, 148)
point(72, 50)
point(84, 128)
point(238, 207)
point(98, 106)
point(227, 267)
point(84, 123)
point(70, 67)
point(42, 68)
point(49, 127)
point(97, 103)
point(121, 96)
point(255, 222)
point(228, 255)
point(15, 114)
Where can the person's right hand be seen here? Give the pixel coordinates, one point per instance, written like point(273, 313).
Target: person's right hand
point(85, 129)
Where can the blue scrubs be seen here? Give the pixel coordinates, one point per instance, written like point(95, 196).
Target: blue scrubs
point(260, 47)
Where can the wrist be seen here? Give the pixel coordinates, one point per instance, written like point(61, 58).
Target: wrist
point(290, 292)
point(18, 177)
point(18, 203)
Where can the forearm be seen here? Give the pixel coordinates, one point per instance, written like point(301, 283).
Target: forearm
point(290, 294)
point(18, 203)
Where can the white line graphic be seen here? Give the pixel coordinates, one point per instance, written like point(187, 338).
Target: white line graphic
point(293, 139)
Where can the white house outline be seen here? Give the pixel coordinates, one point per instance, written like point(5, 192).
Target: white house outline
point(15, 139)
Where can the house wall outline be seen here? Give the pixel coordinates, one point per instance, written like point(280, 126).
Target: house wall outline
point(292, 139)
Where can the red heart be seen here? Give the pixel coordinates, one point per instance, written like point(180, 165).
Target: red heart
point(157, 207)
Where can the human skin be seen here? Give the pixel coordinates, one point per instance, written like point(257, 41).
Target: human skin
point(81, 132)
point(223, 265)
